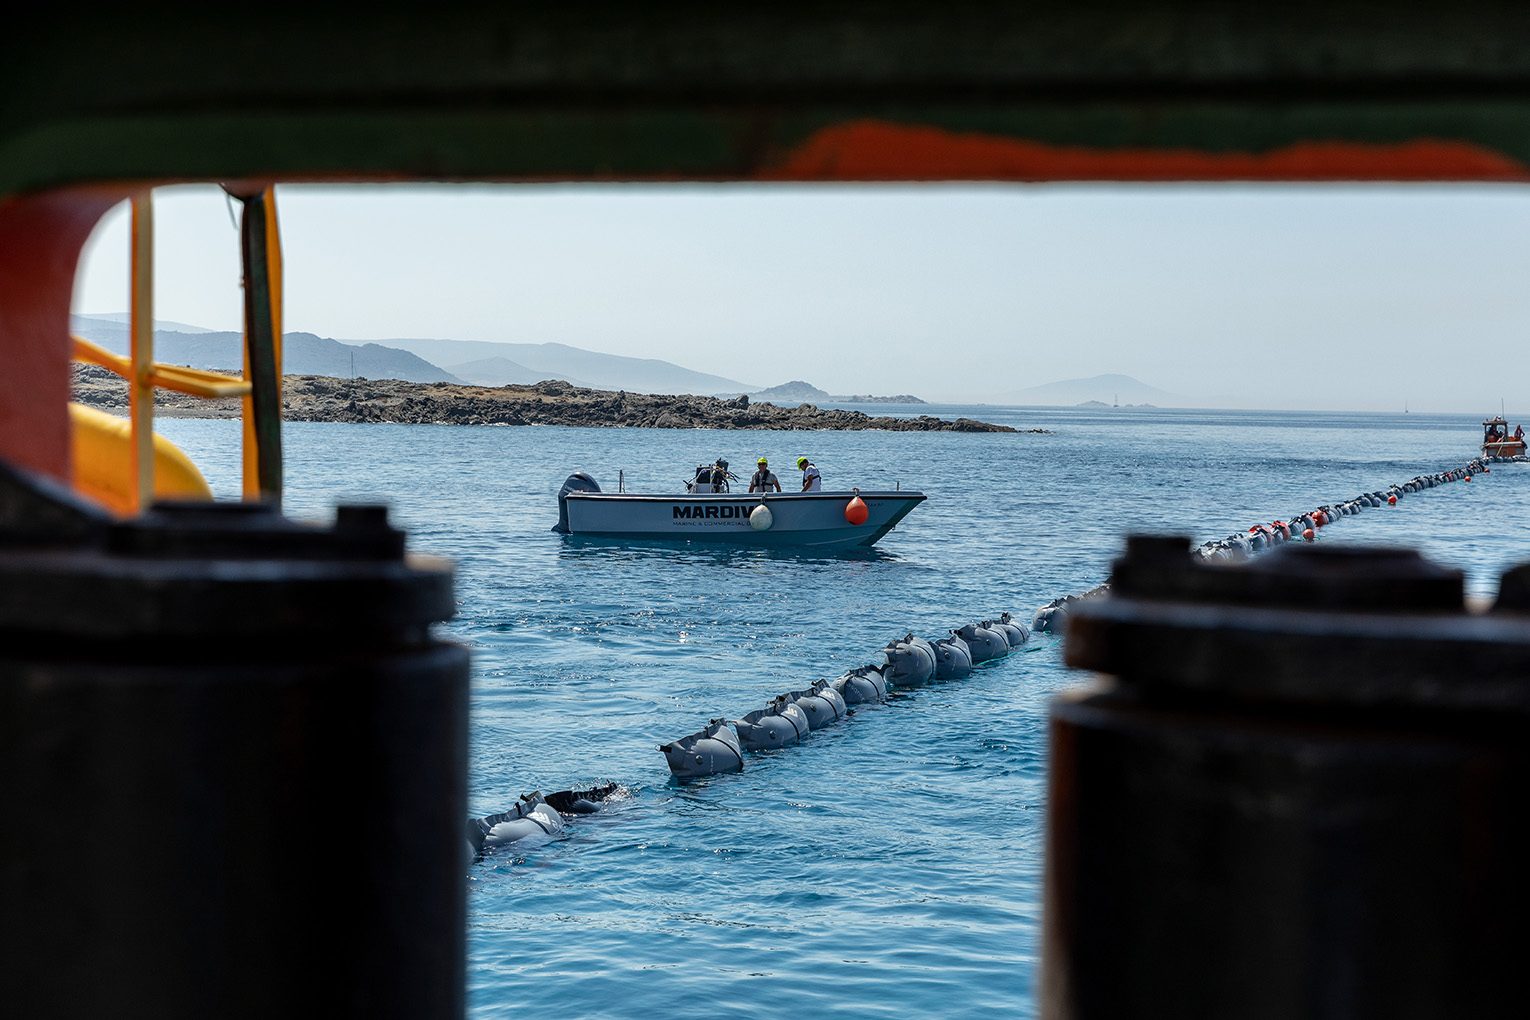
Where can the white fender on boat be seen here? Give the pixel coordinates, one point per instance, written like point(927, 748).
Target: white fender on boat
point(760, 518)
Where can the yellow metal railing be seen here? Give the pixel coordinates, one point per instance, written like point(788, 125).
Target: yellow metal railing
point(196, 382)
point(260, 387)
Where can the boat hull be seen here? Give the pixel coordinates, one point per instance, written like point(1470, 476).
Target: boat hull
point(813, 520)
point(1505, 448)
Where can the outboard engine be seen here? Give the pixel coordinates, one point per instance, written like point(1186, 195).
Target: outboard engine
point(579, 481)
point(710, 478)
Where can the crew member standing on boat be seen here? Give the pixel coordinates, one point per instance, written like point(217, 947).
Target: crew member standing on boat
point(764, 480)
point(812, 481)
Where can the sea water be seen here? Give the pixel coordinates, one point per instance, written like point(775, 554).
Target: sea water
point(890, 865)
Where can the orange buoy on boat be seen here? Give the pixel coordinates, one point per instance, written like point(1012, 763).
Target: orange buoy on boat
point(856, 512)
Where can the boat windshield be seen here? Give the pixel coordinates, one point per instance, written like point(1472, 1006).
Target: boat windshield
point(1496, 430)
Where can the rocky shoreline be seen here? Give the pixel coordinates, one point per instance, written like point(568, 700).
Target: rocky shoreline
point(323, 398)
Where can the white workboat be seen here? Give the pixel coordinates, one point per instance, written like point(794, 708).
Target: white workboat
point(809, 520)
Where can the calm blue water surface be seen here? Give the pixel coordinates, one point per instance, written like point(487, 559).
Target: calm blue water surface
point(889, 866)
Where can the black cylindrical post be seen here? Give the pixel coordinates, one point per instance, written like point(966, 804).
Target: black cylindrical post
point(1295, 788)
point(261, 344)
point(232, 769)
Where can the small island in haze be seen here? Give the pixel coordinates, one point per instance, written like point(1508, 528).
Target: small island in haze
point(1121, 391)
point(801, 392)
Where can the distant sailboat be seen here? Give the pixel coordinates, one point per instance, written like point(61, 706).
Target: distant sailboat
point(1115, 400)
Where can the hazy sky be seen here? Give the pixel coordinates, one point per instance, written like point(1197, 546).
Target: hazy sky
point(1335, 297)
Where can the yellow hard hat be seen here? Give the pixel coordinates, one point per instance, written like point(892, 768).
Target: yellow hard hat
point(801, 461)
point(762, 460)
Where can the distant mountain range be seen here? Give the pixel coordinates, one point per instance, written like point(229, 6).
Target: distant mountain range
point(472, 362)
point(488, 363)
point(1101, 389)
point(475, 362)
point(164, 324)
point(302, 353)
point(497, 371)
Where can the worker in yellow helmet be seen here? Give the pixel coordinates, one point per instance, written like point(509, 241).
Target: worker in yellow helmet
point(812, 481)
point(764, 480)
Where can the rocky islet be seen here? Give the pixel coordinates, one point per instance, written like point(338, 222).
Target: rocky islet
point(551, 402)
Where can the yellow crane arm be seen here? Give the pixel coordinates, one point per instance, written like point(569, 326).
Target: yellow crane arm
point(197, 382)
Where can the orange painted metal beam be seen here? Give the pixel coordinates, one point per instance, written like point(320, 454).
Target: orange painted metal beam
point(140, 383)
point(40, 241)
point(870, 150)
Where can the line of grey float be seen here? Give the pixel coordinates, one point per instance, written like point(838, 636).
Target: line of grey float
point(1294, 528)
point(787, 719)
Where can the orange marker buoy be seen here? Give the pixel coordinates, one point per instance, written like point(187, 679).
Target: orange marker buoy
point(1318, 518)
point(1468, 478)
point(856, 512)
point(1391, 501)
point(1308, 534)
